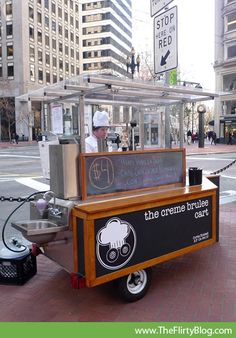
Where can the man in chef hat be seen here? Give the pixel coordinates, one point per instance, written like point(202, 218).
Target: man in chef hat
point(100, 127)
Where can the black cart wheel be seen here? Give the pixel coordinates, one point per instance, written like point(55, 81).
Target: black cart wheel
point(134, 286)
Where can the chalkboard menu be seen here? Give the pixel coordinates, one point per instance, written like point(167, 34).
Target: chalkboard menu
point(109, 173)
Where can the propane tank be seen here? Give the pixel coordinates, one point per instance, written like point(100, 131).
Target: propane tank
point(5, 253)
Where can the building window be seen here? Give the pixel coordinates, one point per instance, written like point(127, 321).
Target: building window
point(66, 17)
point(47, 59)
point(46, 21)
point(0, 70)
point(72, 53)
point(0, 52)
point(10, 70)
point(71, 20)
point(9, 9)
point(54, 61)
point(0, 31)
point(60, 29)
point(31, 32)
point(32, 73)
point(231, 51)
point(231, 21)
point(60, 47)
point(32, 53)
point(39, 18)
point(66, 50)
point(54, 44)
point(39, 2)
point(67, 67)
point(66, 33)
point(71, 36)
point(53, 8)
point(54, 78)
point(77, 39)
point(40, 56)
point(9, 29)
point(47, 42)
point(10, 50)
point(46, 4)
point(60, 12)
point(61, 65)
point(40, 38)
point(40, 75)
point(47, 77)
point(77, 24)
point(54, 26)
point(31, 13)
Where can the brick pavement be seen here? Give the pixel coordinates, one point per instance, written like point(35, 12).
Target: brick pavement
point(199, 286)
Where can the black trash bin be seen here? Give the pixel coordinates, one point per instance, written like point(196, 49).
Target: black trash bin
point(195, 176)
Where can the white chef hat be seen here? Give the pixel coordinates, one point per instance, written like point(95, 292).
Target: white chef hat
point(100, 119)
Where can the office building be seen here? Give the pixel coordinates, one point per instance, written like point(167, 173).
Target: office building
point(46, 41)
point(106, 35)
point(225, 67)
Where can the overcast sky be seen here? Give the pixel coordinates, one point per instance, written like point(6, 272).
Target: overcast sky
point(195, 37)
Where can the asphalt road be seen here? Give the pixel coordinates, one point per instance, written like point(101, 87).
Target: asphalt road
point(211, 163)
point(21, 175)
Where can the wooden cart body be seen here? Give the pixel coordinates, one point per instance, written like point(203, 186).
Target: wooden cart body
point(119, 233)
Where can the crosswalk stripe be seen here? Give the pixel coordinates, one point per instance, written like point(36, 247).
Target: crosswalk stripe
point(31, 183)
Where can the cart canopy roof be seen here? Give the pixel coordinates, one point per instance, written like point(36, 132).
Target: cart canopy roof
point(108, 89)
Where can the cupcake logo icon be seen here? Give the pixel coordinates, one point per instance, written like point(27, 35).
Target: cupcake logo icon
point(116, 243)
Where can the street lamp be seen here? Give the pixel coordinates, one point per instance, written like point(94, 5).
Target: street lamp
point(130, 63)
point(192, 85)
point(193, 104)
point(133, 124)
point(201, 109)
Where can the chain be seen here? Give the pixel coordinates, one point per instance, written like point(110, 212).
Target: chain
point(15, 199)
point(223, 169)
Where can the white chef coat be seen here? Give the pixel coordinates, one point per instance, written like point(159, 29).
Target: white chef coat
point(91, 144)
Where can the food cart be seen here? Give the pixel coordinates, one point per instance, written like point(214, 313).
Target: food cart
point(114, 215)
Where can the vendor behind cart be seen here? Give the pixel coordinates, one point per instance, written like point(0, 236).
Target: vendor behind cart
point(100, 127)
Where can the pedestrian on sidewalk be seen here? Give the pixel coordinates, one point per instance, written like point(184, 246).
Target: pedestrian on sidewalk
point(13, 138)
point(213, 138)
point(189, 137)
point(230, 141)
point(17, 138)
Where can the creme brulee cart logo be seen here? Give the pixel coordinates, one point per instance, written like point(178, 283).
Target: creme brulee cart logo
point(116, 243)
point(101, 173)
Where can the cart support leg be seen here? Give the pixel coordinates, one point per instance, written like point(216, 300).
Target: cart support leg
point(77, 282)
